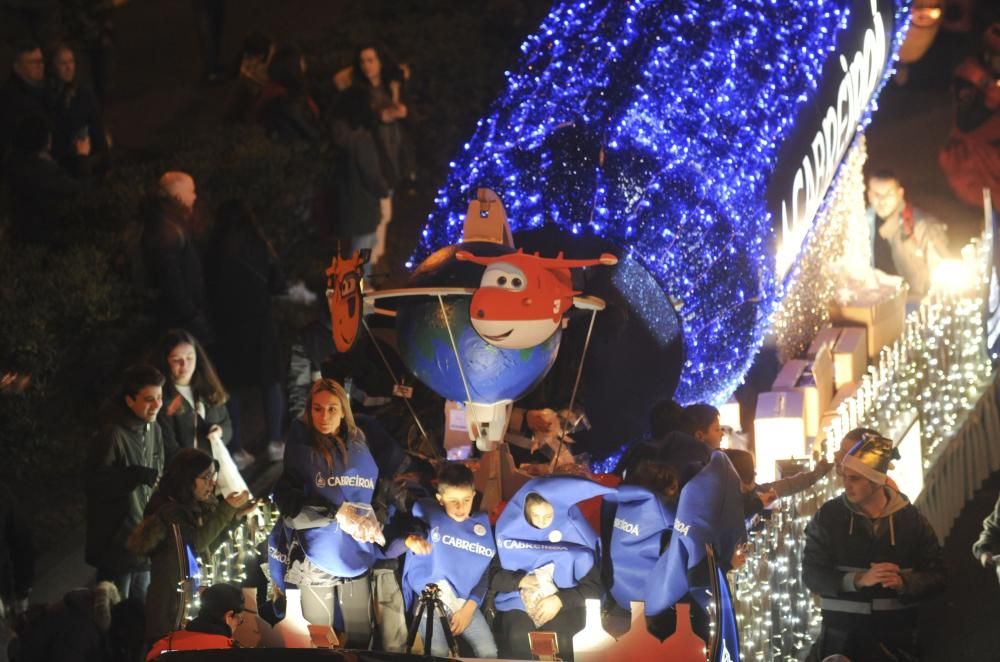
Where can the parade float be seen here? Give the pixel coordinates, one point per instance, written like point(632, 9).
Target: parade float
point(705, 164)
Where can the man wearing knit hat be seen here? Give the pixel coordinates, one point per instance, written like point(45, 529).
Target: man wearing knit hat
point(872, 557)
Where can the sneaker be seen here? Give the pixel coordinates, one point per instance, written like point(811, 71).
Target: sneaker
point(242, 459)
point(276, 451)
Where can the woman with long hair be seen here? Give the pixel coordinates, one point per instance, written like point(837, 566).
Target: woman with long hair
point(327, 486)
point(194, 401)
point(183, 519)
point(378, 80)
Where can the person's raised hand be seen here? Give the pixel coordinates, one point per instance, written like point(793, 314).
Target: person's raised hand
point(987, 559)
point(238, 499)
point(82, 146)
point(214, 434)
point(418, 545)
point(768, 497)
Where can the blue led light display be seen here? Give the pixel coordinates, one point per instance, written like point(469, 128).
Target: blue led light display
point(657, 125)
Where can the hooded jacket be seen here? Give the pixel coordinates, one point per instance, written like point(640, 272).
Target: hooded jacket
point(126, 457)
point(201, 527)
point(842, 541)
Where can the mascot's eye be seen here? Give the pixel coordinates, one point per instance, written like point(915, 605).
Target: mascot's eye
point(516, 282)
point(502, 281)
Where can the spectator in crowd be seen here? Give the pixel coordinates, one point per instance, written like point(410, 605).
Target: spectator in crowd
point(906, 241)
point(77, 628)
point(211, 15)
point(92, 26)
point(221, 612)
point(335, 553)
point(360, 182)
point(378, 80)
point(285, 108)
point(194, 400)
point(243, 274)
point(42, 193)
point(258, 51)
point(872, 557)
point(126, 460)
point(76, 113)
point(184, 504)
point(172, 263)
point(23, 93)
point(971, 157)
point(17, 554)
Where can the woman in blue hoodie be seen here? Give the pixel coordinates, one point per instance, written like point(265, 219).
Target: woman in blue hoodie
point(332, 545)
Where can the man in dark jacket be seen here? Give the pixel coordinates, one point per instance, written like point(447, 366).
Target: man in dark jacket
point(42, 193)
point(872, 557)
point(23, 94)
point(126, 461)
point(171, 260)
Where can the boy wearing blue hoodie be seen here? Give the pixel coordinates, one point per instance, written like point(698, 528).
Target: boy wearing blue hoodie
point(456, 556)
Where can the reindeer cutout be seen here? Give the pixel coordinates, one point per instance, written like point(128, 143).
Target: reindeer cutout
point(343, 297)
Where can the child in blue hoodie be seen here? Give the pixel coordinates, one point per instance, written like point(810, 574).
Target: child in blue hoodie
point(456, 556)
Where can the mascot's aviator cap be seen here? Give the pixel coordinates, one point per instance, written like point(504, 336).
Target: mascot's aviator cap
point(870, 457)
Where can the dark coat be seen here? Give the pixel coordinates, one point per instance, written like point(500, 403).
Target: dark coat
point(174, 269)
point(18, 100)
point(841, 541)
point(125, 460)
point(243, 273)
point(75, 109)
point(202, 527)
point(360, 184)
point(42, 195)
point(181, 424)
point(288, 118)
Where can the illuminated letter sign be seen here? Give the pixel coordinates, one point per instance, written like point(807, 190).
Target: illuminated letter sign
point(826, 126)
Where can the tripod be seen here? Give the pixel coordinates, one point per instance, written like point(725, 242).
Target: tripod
point(430, 599)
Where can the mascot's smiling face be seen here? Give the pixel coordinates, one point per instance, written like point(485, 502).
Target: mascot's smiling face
point(522, 298)
point(506, 314)
point(343, 296)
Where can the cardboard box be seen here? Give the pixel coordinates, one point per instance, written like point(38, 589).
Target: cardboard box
point(814, 380)
point(882, 312)
point(779, 431)
point(827, 336)
point(850, 356)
